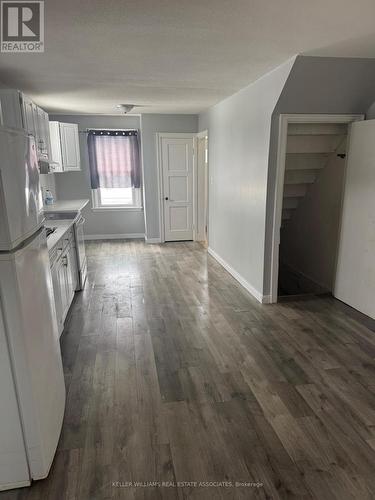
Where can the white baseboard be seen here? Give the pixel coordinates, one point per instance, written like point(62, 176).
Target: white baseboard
point(263, 299)
point(267, 299)
point(153, 240)
point(117, 236)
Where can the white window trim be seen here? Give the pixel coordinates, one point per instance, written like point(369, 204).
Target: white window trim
point(98, 207)
point(95, 198)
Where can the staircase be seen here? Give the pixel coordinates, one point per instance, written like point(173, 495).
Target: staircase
point(309, 147)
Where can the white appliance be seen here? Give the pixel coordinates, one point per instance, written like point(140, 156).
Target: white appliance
point(32, 390)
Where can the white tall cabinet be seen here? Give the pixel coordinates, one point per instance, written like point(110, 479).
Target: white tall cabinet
point(19, 112)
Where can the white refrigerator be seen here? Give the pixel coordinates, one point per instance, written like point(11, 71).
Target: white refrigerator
point(32, 390)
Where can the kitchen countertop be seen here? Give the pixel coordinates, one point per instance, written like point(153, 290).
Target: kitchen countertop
point(62, 226)
point(66, 206)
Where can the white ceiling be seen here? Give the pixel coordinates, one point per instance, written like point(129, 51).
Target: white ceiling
point(177, 56)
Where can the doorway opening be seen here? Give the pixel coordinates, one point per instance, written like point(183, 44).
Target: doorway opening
point(308, 207)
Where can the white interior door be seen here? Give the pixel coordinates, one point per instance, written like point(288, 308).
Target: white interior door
point(177, 179)
point(355, 276)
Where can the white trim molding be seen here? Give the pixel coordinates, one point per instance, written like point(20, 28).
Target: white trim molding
point(284, 121)
point(263, 299)
point(117, 236)
point(197, 236)
point(117, 209)
point(153, 240)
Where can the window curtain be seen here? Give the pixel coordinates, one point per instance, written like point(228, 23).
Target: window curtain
point(114, 159)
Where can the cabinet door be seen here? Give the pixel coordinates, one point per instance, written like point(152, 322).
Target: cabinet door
point(70, 146)
point(72, 260)
point(56, 156)
point(38, 119)
point(56, 272)
point(46, 136)
point(42, 132)
point(29, 115)
point(70, 287)
point(11, 110)
point(63, 284)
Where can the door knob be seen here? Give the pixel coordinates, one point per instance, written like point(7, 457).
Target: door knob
point(166, 198)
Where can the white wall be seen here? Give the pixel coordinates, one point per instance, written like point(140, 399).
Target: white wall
point(151, 125)
point(239, 139)
point(355, 278)
point(76, 185)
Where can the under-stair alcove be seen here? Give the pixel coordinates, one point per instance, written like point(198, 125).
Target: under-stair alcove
point(311, 209)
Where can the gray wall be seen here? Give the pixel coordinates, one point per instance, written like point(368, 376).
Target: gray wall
point(152, 124)
point(239, 139)
point(317, 85)
point(73, 185)
point(243, 135)
point(370, 113)
point(309, 240)
point(48, 181)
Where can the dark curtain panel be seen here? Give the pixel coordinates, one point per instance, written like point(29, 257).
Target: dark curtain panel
point(114, 159)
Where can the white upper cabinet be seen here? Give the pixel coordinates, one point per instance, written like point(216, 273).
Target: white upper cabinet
point(56, 156)
point(12, 113)
point(64, 147)
point(18, 111)
point(28, 114)
point(42, 132)
point(70, 146)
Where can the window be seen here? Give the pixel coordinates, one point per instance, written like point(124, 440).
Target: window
point(116, 198)
point(115, 169)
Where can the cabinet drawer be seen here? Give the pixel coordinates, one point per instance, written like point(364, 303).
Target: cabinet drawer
point(69, 238)
point(61, 247)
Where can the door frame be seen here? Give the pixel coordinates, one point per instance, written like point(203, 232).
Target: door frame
point(284, 120)
point(159, 137)
point(202, 135)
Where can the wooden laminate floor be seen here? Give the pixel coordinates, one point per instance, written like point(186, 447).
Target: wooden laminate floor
point(175, 374)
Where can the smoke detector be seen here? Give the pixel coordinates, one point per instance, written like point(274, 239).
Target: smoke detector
point(125, 108)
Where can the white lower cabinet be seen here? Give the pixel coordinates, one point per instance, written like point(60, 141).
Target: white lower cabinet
point(57, 282)
point(64, 276)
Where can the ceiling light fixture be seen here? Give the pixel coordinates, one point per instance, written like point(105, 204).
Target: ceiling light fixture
point(125, 108)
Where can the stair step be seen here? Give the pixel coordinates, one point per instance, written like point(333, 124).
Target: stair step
point(300, 177)
point(317, 128)
point(295, 190)
point(290, 202)
point(306, 161)
point(287, 214)
point(313, 143)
